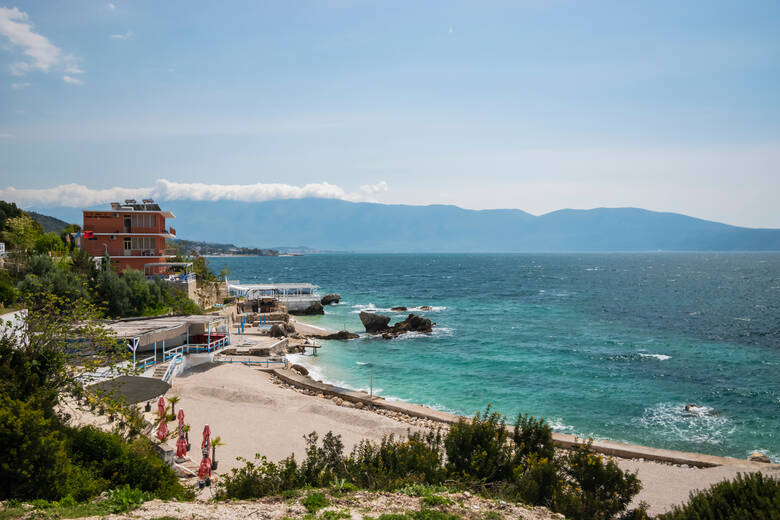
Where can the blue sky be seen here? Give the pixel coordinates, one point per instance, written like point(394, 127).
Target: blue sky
point(536, 105)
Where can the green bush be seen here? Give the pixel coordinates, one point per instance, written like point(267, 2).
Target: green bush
point(34, 463)
point(595, 488)
point(435, 501)
point(478, 449)
point(8, 292)
point(481, 454)
point(125, 499)
point(748, 497)
point(313, 502)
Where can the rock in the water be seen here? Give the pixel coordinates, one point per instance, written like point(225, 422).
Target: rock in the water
point(330, 298)
point(342, 334)
point(759, 457)
point(374, 322)
point(277, 331)
point(426, 308)
point(378, 324)
point(398, 309)
point(314, 308)
point(300, 369)
point(413, 323)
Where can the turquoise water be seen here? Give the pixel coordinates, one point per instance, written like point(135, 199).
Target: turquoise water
point(610, 346)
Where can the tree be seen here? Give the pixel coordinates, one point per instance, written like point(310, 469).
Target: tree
point(21, 232)
point(8, 293)
point(49, 243)
point(216, 441)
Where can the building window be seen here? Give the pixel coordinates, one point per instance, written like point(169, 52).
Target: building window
point(142, 243)
point(144, 220)
point(127, 243)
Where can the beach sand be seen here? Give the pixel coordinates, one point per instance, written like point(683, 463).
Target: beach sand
point(253, 415)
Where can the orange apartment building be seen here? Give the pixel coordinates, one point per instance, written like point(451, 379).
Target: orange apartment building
point(132, 234)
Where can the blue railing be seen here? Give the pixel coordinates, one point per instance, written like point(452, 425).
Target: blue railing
point(177, 360)
point(250, 361)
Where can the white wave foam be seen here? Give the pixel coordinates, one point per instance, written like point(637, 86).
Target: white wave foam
point(559, 426)
point(361, 363)
point(373, 308)
point(660, 357)
point(701, 424)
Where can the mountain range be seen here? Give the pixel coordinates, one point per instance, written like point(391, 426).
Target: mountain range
point(330, 224)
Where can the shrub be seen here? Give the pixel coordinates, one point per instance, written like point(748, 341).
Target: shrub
point(258, 479)
point(125, 498)
point(393, 464)
point(594, 488)
point(116, 463)
point(435, 501)
point(478, 449)
point(532, 436)
point(313, 502)
point(34, 463)
point(8, 292)
point(752, 496)
point(537, 480)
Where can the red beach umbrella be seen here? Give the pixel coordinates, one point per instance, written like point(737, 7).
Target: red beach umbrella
point(204, 471)
point(181, 444)
point(161, 407)
point(162, 430)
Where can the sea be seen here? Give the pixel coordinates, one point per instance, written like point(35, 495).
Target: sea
point(609, 346)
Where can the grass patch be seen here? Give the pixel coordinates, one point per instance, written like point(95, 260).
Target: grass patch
point(435, 501)
point(422, 490)
point(314, 502)
point(335, 515)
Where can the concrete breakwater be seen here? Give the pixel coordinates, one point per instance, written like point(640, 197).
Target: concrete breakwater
point(564, 441)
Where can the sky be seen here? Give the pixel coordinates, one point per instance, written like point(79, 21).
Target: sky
point(536, 105)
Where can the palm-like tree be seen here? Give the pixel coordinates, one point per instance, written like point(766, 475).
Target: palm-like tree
point(173, 400)
point(216, 441)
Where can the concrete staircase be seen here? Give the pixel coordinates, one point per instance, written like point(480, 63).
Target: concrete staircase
point(160, 370)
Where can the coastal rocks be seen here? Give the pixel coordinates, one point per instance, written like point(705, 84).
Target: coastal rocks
point(426, 308)
point(759, 457)
point(374, 323)
point(330, 298)
point(314, 308)
point(300, 369)
point(341, 335)
point(379, 324)
point(279, 330)
point(276, 331)
point(398, 309)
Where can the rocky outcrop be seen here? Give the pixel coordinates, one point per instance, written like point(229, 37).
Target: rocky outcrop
point(398, 309)
point(379, 324)
point(330, 298)
point(314, 308)
point(279, 330)
point(426, 308)
point(759, 457)
point(342, 334)
point(374, 323)
point(300, 369)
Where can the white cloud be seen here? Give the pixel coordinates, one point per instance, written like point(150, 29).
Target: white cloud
point(110, 6)
point(126, 36)
point(17, 86)
point(371, 189)
point(42, 54)
point(77, 195)
point(72, 80)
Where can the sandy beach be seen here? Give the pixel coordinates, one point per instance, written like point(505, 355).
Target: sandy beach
point(253, 415)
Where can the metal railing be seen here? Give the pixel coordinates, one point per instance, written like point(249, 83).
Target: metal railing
point(145, 362)
point(177, 360)
point(247, 360)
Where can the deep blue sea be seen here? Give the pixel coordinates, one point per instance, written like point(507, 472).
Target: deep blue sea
point(605, 345)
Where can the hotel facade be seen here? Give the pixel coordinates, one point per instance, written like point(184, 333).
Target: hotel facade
point(132, 234)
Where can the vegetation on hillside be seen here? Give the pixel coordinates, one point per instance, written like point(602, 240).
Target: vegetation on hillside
point(41, 263)
point(481, 455)
point(44, 457)
point(192, 247)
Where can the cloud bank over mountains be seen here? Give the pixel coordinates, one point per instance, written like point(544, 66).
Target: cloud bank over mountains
point(78, 195)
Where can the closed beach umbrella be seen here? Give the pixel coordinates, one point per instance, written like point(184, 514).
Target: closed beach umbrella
point(162, 430)
point(205, 465)
point(161, 407)
point(181, 444)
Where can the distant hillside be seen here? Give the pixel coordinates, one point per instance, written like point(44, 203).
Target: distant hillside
point(326, 224)
point(211, 248)
point(48, 223)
